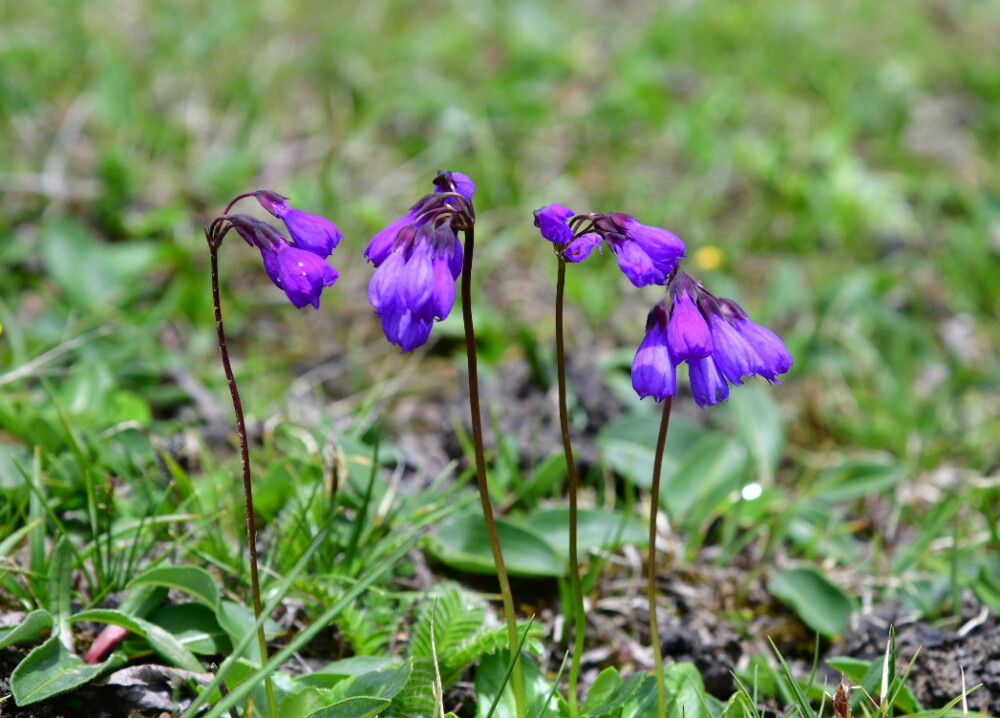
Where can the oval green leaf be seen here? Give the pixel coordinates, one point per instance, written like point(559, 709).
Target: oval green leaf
point(461, 542)
point(51, 669)
point(822, 605)
point(356, 707)
point(195, 582)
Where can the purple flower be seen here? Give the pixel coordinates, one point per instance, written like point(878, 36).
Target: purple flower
point(774, 357)
point(300, 274)
point(688, 333)
point(647, 255)
point(707, 384)
point(716, 339)
point(581, 247)
point(417, 259)
point(653, 369)
point(308, 231)
point(552, 220)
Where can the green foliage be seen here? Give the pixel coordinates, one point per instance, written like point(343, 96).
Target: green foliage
point(821, 604)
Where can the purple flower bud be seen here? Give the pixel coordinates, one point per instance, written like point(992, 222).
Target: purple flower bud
point(581, 247)
point(256, 233)
point(653, 369)
point(455, 182)
point(552, 220)
point(300, 274)
point(308, 231)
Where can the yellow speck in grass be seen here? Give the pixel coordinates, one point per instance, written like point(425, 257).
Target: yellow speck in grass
point(708, 258)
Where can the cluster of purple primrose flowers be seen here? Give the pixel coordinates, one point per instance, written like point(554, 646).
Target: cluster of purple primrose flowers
point(714, 336)
point(646, 254)
point(298, 266)
point(417, 260)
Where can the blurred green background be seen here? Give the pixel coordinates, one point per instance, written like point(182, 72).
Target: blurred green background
point(832, 165)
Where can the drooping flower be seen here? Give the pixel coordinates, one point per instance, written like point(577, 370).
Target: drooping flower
point(653, 369)
point(646, 254)
point(300, 274)
point(688, 334)
point(417, 259)
point(308, 231)
point(713, 336)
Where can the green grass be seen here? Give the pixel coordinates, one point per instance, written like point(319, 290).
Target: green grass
point(840, 157)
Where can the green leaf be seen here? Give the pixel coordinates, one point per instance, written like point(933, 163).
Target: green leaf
point(51, 669)
point(60, 579)
point(194, 626)
point(461, 542)
point(709, 472)
point(537, 689)
point(853, 668)
point(686, 691)
point(610, 693)
point(822, 605)
point(375, 684)
point(304, 703)
point(33, 627)
point(759, 423)
point(799, 696)
point(93, 274)
point(357, 707)
point(161, 641)
point(856, 479)
point(238, 620)
point(642, 703)
point(628, 444)
point(335, 672)
point(596, 529)
point(192, 580)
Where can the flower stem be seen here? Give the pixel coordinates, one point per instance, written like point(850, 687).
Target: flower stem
point(579, 617)
point(484, 492)
point(654, 629)
point(251, 522)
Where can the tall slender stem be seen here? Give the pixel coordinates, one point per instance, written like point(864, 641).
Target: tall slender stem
point(484, 492)
point(251, 522)
point(579, 617)
point(654, 629)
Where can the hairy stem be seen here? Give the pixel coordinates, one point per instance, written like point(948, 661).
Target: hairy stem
point(251, 522)
point(484, 492)
point(654, 498)
point(579, 617)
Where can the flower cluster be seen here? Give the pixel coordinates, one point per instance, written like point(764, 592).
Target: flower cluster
point(647, 255)
point(297, 266)
point(417, 259)
point(714, 336)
